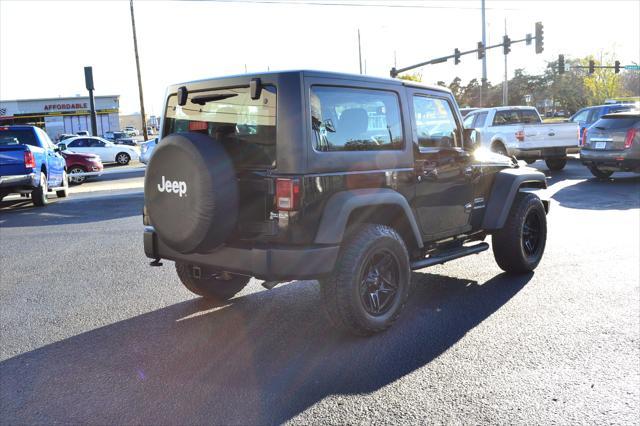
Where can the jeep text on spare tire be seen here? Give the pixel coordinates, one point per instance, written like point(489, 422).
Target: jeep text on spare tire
point(347, 179)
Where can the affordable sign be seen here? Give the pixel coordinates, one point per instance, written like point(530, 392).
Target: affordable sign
point(53, 107)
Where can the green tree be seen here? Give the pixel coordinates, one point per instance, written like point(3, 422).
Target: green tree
point(566, 91)
point(604, 83)
point(631, 83)
point(414, 76)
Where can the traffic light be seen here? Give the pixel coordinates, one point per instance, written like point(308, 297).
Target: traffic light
point(616, 67)
point(456, 56)
point(539, 37)
point(561, 64)
point(480, 50)
point(592, 66)
point(506, 44)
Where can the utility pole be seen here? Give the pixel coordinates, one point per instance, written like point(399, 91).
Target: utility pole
point(135, 48)
point(359, 52)
point(483, 84)
point(505, 88)
point(88, 81)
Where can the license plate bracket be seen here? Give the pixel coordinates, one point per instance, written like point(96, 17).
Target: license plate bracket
point(601, 145)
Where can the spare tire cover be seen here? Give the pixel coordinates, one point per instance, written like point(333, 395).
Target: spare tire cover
point(190, 192)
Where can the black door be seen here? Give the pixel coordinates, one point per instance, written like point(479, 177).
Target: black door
point(444, 192)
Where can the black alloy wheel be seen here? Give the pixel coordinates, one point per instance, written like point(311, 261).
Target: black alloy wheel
point(379, 283)
point(531, 233)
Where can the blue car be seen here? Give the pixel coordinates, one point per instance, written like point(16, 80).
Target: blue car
point(589, 115)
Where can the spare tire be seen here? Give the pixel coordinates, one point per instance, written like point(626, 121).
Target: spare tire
point(191, 193)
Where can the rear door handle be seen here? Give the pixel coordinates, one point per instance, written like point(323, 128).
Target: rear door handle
point(552, 134)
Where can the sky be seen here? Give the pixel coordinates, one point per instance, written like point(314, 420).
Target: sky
point(44, 46)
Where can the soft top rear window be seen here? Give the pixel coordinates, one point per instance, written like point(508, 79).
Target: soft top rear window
point(18, 137)
point(245, 127)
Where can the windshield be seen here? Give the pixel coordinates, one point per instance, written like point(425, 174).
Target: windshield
point(245, 127)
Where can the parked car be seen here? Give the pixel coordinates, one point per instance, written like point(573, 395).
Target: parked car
point(150, 130)
point(31, 164)
point(612, 144)
point(114, 136)
point(83, 133)
point(146, 150)
point(126, 141)
point(589, 115)
point(78, 163)
point(365, 180)
point(64, 136)
point(518, 131)
point(131, 131)
point(467, 111)
point(108, 151)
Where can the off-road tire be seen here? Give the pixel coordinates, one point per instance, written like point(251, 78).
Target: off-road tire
point(122, 158)
point(341, 290)
point(62, 193)
point(210, 285)
point(509, 242)
point(39, 194)
point(600, 174)
point(555, 164)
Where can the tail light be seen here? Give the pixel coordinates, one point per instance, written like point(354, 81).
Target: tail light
point(287, 194)
point(29, 160)
point(631, 134)
point(520, 135)
point(584, 137)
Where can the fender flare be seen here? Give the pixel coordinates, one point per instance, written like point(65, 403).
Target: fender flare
point(340, 206)
point(506, 185)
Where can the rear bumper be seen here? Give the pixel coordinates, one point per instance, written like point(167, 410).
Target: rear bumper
point(18, 181)
point(611, 160)
point(556, 152)
point(268, 263)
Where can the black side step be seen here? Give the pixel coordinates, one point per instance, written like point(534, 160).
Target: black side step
point(438, 259)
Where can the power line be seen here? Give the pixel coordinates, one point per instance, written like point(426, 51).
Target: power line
point(355, 3)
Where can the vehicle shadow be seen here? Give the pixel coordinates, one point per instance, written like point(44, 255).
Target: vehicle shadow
point(615, 193)
point(262, 358)
point(77, 209)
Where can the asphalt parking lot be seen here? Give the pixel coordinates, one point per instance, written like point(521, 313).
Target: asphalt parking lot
point(90, 333)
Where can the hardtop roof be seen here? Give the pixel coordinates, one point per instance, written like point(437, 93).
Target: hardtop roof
point(324, 74)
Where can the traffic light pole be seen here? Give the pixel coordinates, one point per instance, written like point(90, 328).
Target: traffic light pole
point(457, 54)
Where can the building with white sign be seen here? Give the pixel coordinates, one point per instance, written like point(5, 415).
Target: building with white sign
point(62, 115)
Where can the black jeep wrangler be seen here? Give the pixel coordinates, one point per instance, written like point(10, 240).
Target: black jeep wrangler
point(347, 179)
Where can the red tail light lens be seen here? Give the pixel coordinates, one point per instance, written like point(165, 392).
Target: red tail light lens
point(631, 134)
point(29, 160)
point(583, 142)
point(520, 135)
point(287, 194)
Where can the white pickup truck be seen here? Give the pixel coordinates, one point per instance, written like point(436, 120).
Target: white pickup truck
point(519, 131)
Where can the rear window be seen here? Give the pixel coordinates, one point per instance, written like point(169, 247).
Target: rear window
point(18, 137)
point(617, 123)
point(507, 117)
point(245, 127)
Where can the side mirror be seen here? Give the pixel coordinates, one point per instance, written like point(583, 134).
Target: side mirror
point(471, 139)
point(62, 147)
